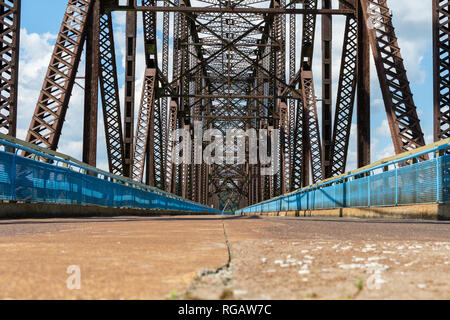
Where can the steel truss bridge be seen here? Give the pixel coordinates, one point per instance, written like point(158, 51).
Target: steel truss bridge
point(236, 64)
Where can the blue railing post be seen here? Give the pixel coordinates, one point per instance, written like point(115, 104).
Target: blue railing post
point(54, 182)
point(13, 177)
point(334, 196)
point(396, 185)
point(368, 190)
point(438, 179)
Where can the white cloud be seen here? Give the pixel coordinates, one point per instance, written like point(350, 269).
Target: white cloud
point(383, 129)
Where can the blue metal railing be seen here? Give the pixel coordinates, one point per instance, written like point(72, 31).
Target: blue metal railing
point(400, 180)
point(50, 177)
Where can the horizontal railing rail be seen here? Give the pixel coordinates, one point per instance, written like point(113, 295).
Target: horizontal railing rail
point(404, 179)
point(52, 177)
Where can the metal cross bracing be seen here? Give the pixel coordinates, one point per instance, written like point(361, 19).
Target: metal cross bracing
point(345, 98)
point(9, 64)
point(222, 69)
point(229, 73)
point(441, 72)
point(398, 100)
point(307, 142)
point(109, 89)
point(145, 118)
point(149, 139)
point(130, 86)
point(51, 108)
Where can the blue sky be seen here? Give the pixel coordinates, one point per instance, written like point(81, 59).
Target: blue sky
point(412, 20)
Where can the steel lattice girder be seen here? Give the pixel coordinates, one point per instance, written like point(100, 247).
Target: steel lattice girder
point(145, 120)
point(9, 64)
point(309, 142)
point(165, 71)
point(130, 85)
point(327, 43)
point(221, 84)
point(220, 52)
point(441, 48)
point(109, 90)
point(292, 102)
point(170, 166)
point(400, 108)
point(313, 131)
point(300, 140)
point(149, 141)
point(297, 158)
point(345, 98)
point(50, 112)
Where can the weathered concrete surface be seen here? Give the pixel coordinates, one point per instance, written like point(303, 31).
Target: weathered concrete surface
point(271, 258)
point(119, 258)
point(422, 211)
point(333, 258)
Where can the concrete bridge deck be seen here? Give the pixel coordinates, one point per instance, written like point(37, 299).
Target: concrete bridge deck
point(247, 257)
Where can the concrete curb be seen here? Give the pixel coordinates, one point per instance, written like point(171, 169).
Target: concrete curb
point(52, 210)
point(423, 212)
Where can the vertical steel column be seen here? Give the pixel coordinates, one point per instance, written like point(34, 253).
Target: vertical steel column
point(307, 54)
point(284, 147)
point(311, 119)
point(363, 89)
point(280, 104)
point(165, 71)
point(297, 174)
point(9, 64)
point(130, 69)
point(91, 86)
point(171, 168)
point(292, 102)
point(172, 124)
point(327, 74)
point(441, 71)
point(183, 169)
point(149, 141)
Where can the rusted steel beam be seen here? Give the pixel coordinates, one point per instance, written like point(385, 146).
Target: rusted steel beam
point(297, 174)
point(165, 72)
point(173, 121)
point(363, 91)
point(327, 75)
point(109, 91)
point(9, 65)
point(312, 121)
point(441, 73)
point(49, 115)
point(171, 168)
point(292, 102)
point(149, 141)
point(401, 111)
point(309, 106)
point(235, 10)
point(345, 98)
point(300, 171)
point(130, 84)
point(91, 86)
point(144, 138)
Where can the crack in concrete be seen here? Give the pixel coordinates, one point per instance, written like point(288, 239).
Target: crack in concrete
point(219, 278)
